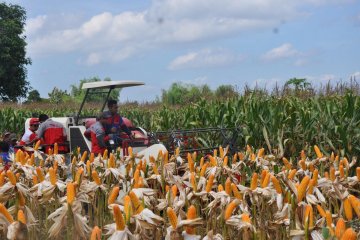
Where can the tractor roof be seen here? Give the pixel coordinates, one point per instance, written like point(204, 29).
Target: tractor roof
point(111, 84)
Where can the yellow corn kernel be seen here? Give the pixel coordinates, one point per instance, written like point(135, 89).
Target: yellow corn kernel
point(35, 180)
point(349, 234)
point(254, 179)
point(358, 173)
point(228, 186)
point(83, 157)
point(302, 164)
point(177, 151)
point(220, 188)
point(266, 181)
point(213, 161)
point(130, 152)
point(203, 169)
point(95, 233)
point(263, 175)
point(191, 214)
point(348, 209)
point(215, 153)
point(31, 161)
point(287, 164)
point(318, 152)
point(127, 208)
point(341, 170)
point(340, 228)
point(96, 178)
point(210, 183)
point(113, 195)
point(321, 211)
point(174, 191)
point(302, 155)
point(302, 188)
point(88, 167)
point(78, 175)
point(56, 148)
point(201, 162)
point(119, 219)
point(70, 193)
point(276, 184)
point(105, 154)
point(292, 174)
point(332, 174)
point(245, 218)
point(52, 176)
point(172, 217)
point(6, 213)
point(166, 157)
point(235, 191)
point(230, 208)
point(37, 145)
point(241, 156)
point(21, 216)
point(308, 217)
point(234, 159)
point(138, 207)
point(11, 177)
point(111, 161)
point(190, 163)
point(92, 157)
point(21, 199)
point(252, 157)
point(328, 218)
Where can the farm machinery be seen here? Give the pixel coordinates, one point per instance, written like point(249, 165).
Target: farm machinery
point(189, 140)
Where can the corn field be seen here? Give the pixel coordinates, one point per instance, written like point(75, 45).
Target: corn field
point(248, 195)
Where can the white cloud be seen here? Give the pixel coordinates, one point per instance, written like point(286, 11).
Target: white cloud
point(205, 58)
point(356, 75)
point(164, 22)
point(300, 62)
point(284, 51)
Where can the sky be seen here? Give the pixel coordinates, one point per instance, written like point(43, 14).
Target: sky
point(237, 42)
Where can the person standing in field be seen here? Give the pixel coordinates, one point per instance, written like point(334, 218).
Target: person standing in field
point(97, 134)
point(4, 155)
point(52, 132)
point(30, 135)
point(115, 123)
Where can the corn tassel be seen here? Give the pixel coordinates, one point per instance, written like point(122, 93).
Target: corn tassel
point(6, 213)
point(11, 177)
point(138, 207)
point(113, 195)
point(349, 234)
point(340, 228)
point(70, 190)
point(254, 180)
point(230, 208)
point(52, 175)
point(21, 216)
point(348, 209)
point(96, 178)
point(276, 184)
point(119, 219)
point(302, 188)
point(210, 183)
point(172, 217)
point(95, 233)
point(191, 214)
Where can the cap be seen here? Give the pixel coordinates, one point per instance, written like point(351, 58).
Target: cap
point(34, 121)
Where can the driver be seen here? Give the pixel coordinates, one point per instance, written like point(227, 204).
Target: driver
point(96, 133)
point(115, 123)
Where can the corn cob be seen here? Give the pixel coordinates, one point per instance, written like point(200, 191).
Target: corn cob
point(230, 208)
point(210, 183)
point(6, 213)
point(328, 218)
point(318, 152)
point(119, 219)
point(2, 178)
point(349, 234)
point(225, 162)
point(220, 188)
point(193, 182)
point(302, 164)
point(138, 207)
point(241, 156)
point(127, 208)
point(21, 216)
point(190, 163)
point(261, 153)
point(105, 154)
point(236, 192)
point(245, 218)
point(78, 175)
point(37, 145)
point(308, 219)
point(254, 179)
point(302, 188)
point(358, 173)
point(276, 184)
point(35, 180)
point(56, 148)
point(215, 153)
point(96, 178)
point(92, 157)
point(52, 175)
point(340, 228)
point(172, 217)
point(234, 159)
point(95, 233)
point(341, 170)
point(113, 195)
point(11, 177)
point(332, 174)
point(264, 172)
point(321, 211)
point(40, 174)
point(287, 164)
point(111, 161)
point(191, 214)
point(228, 186)
point(311, 167)
point(248, 149)
point(292, 174)
point(70, 190)
point(201, 162)
point(311, 186)
point(266, 181)
point(174, 191)
point(302, 155)
point(213, 161)
point(203, 169)
point(166, 157)
point(348, 209)
point(252, 157)
point(355, 203)
point(315, 176)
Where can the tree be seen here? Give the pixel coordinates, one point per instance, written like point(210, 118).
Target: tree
point(34, 96)
point(13, 60)
point(78, 94)
point(226, 91)
point(58, 96)
point(300, 84)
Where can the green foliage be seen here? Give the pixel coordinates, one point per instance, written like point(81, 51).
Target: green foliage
point(58, 96)
point(226, 91)
point(78, 94)
point(300, 84)
point(34, 96)
point(13, 84)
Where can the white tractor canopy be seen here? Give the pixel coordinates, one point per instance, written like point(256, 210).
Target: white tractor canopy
point(111, 84)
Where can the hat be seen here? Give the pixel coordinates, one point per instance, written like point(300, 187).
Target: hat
point(34, 121)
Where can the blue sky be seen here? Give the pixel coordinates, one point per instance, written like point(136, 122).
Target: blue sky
point(210, 42)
